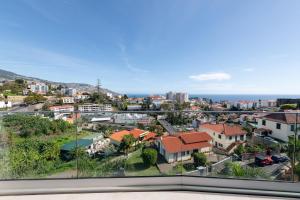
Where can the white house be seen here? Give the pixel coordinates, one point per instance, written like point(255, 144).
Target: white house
point(68, 100)
point(225, 136)
point(279, 125)
point(181, 147)
point(5, 104)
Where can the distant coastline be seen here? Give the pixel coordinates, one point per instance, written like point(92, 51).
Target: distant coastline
point(225, 97)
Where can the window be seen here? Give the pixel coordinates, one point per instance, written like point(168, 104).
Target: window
point(220, 145)
point(292, 127)
point(188, 152)
point(278, 126)
point(263, 122)
point(242, 137)
point(214, 133)
point(183, 153)
point(220, 136)
point(230, 137)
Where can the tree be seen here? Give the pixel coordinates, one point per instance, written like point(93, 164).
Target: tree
point(200, 159)
point(34, 99)
point(297, 169)
point(288, 107)
point(127, 142)
point(239, 150)
point(149, 156)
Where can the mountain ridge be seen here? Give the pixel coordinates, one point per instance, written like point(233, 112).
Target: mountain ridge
point(8, 75)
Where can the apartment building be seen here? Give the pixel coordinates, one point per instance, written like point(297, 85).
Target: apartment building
point(279, 125)
point(39, 88)
point(224, 135)
point(95, 108)
point(177, 96)
point(180, 147)
point(64, 108)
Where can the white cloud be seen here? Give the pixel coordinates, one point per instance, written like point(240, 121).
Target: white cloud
point(211, 76)
point(248, 69)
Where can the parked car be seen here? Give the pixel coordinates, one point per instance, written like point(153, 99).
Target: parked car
point(263, 160)
point(279, 158)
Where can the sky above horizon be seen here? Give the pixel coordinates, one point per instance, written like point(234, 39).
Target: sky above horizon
point(140, 46)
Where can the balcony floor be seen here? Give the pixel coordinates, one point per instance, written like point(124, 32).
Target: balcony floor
point(139, 196)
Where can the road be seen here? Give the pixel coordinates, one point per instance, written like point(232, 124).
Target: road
point(167, 126)
point(29, 108)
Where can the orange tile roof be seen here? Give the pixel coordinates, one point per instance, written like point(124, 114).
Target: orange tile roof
point(193, 137)
point(118, 136)
point(149, 136)
point(137, 132)
point(173, 144)
point(228, 130)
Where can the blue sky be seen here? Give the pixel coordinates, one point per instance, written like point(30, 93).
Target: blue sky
point(141, 46)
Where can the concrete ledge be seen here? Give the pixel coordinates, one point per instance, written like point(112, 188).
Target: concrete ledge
point(139, 184)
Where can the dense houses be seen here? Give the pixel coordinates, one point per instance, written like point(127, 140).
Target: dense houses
point(180, 147)
point(225, 136)
point(278, 125)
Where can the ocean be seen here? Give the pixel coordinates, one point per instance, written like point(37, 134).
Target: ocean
point(230, 97)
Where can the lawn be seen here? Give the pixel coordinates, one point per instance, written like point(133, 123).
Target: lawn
point(135, 166)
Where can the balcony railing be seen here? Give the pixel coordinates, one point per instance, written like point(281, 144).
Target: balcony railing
point(179, 145)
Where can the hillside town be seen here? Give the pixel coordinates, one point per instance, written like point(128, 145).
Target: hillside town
point(157, 134)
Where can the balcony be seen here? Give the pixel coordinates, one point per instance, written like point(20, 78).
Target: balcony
point(88, 152)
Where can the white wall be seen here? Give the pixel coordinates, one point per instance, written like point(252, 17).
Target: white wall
point(281, 134)
point(225, 140)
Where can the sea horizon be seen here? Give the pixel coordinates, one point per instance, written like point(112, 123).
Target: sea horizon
point(226, 97)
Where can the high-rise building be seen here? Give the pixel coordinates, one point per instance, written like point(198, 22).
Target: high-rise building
point(178, 96)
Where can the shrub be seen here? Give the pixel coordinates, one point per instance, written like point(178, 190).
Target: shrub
point(149, 156)
point(200, 159)
point(239, 150)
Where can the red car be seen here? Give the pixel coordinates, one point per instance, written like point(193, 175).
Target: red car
point(263, 160)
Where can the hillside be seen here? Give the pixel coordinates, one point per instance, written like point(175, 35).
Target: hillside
point(7, 75)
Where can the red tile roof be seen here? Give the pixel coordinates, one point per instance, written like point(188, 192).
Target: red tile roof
point(287, 118)
point(173, 144)
point(192, 137)
point(228, 130)
point(137, 133)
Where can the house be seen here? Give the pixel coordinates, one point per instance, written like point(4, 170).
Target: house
point(181, 146)
point(68, 100)
point(5, 104)
point(140, 135)
point(278, 125)
point(91, 145)
point(225, 136)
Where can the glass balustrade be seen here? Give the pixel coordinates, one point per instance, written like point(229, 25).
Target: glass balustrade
point(235, 145)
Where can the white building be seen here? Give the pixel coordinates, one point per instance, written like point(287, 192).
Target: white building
point(178, 96)
point(64, 108)
point(5, 104)
point(134, 107)
point(225, 136)
point(182, 146)
point(95, 108)
point(279, 125)
point(132, 118)
point(71, 92)
point(39, 88)
point(68, 100)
